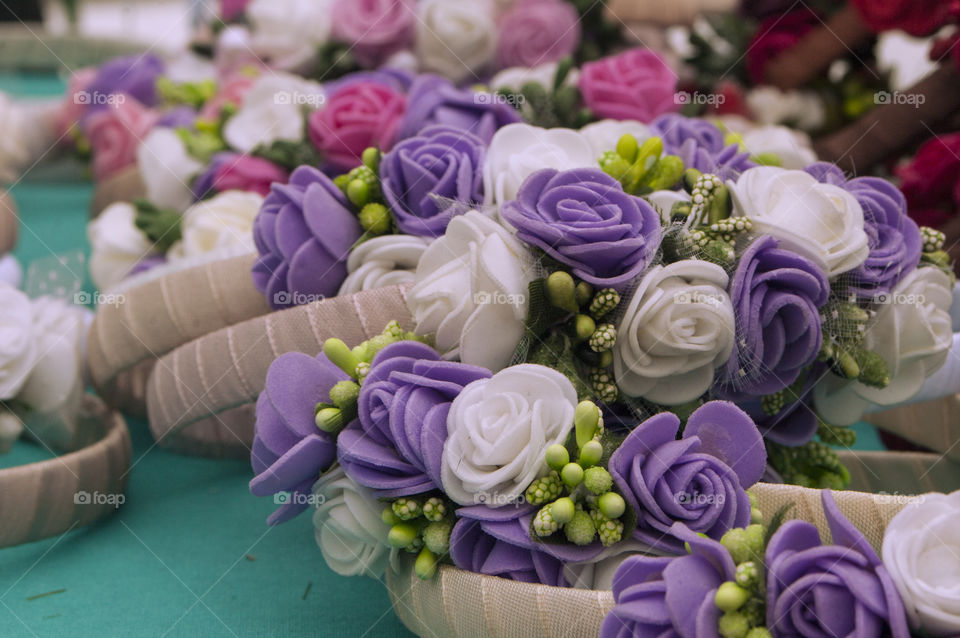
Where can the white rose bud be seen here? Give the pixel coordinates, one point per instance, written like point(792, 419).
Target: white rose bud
point(222, 224)
point(116, 245)
point(272, 110)
point(166, 169)
point(390, 260)
point(455, 39)
point(18, 347)
point(288, 32)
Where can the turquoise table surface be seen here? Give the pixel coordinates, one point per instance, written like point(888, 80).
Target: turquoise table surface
point(189, 553)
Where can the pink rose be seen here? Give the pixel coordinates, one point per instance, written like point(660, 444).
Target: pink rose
point(74, 102)
point(359, 115)
point(374, 28)
point(535, 32)
point(232, 9)
point(633, 85)
point(248, 173)
point(115, 132)
point(232, 90)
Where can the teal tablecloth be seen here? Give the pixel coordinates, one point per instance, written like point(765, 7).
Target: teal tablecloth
point(189, 553)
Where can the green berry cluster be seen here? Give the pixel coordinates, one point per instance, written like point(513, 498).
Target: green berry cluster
point(836, 435)
point(576, 496)
point(642, 168)
point(844, 325)
point(362, 187)
point(742, 600)
point(933, 239)
point(420, 525)
point(334, 415)
point(812, 464)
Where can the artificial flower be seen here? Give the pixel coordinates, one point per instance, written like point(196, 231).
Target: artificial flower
point(18, 348)
point(603, 135)
point(455, 39)
point(272, 110)
point(374, 29)
point(115, 133)
point(166, 169)
point(792, 148)
point(222, 224)
point(287, 33)
point(700, 145)
point(134, 76)
point(634, 85)
point(247, 173)
point(116, 245)
point(390, 260)
point(534, 32)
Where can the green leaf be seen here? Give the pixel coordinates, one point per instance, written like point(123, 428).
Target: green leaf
point(778, 519)
point(161, 226)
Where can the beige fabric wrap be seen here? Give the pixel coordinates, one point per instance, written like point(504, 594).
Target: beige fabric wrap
point(201, 397)
point(934, 425)
point(466, 605)
point(9, 222)
point(38, 500)
point(124, 186)
point(152, 319)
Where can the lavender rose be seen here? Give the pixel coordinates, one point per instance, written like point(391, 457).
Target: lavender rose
point(289, 451)
point(303, 232)
point(582, 218)
point(434, 100)
point(776, 296)
point(396, 446)
point(496, 542)
point(135, 76)
point(894, 239)
point(841, 589)
point(699, 480)
point(536, 32)
point(429, 178)
point(663, 596)
point(700, 145)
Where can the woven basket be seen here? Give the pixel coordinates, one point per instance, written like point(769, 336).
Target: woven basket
point(467, 605)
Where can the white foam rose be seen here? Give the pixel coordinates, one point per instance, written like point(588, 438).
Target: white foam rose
point(116, 244)
point(515, 77)
point(603, 136)
point(470, 291)
point(348, 528)
point(166, 169)
point(677, 328)
point(802, 109)
point(221, 225)
point(390, 260)
point(272, 110)
point(14, 146)
point(455, 39)
point(821, 221)
point(288, 33)
point(663, 202)
point(10, 270)
point(921, 551)
point(792, 147)
point(498, 432)
point(518, 150)
point(18, 347)
point(912, 332)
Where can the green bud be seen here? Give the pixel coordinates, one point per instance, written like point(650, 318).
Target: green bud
point(557, 457)
point(690, 177)
point(563, 510)
point(756, 516)
point(759, 632)
point(436, 536)
point(667, 172)
point(754, 500)
point(388, 517)
point(580, 530)
point(403, 535)
point(584, 327)
point(846, 364)
point(341, 181)
point(375, 218)
point(330, 420)
point(344, 394)
point(358, 192)
point(561, 290)
point(606, 359)
point(590, 453)
point(612, 505)
point(583, 293)
point(572, 475)
point(733, 625)
point(649, 152)
point(720, 206)
point(407, 508)
point(628, 147)
point(426, 565)
point(597, 480)
point(767, 159)
point(747, 575)
point(544, 489)
point(434, 509)
point(730, 596)
point(340, 355)
point(874, 370)
point(586, 419)
point(371, 158)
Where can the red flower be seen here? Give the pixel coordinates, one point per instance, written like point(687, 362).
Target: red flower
point(775, 35)
point(915, 17)
point(931, 181)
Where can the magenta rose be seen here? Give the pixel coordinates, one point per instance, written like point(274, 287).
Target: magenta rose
point(536, 32)
point(248, 173)
point(356, 116)
point(373, 28)
point(633, 85)
point(115, 132)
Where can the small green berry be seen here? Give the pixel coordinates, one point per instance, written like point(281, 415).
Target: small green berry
point(610, 531)
point(344, 394)
point(330, 420)
point(561, 291)
point(572, 475)
point(358, 192)
point(590, 453)
point(583, 293)
point(733, 625)
point(628, 147)
point(603, 302)
point(436, 537)
point(597, 480)
point(612, 505)
point(388, 517)
point(563, 510)
point(580, 530)
point(603, 338)
point(584, 326)
point(434, 509)
point(730, 596)
point(406, 508)
point(403, 535)
point(426, 565)
point(557, 456)
point(747, 575)
point(375, 218)
point(371, 158)
point(759, 632)
point(586, 419)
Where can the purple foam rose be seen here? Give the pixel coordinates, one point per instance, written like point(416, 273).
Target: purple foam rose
point(776, 295)
point(203, 183)
point(429, 178)
point(894, 239)
point(303, 232)
point(177, 117)
point(796, 422)
point(700, 145)
point(663, 596)
point(434, 100)
point(396, 445)
point(699, 480)
point(496, 542)
point(841, 589)
point(135, 76)
point(582, 218)
point(289, 450)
